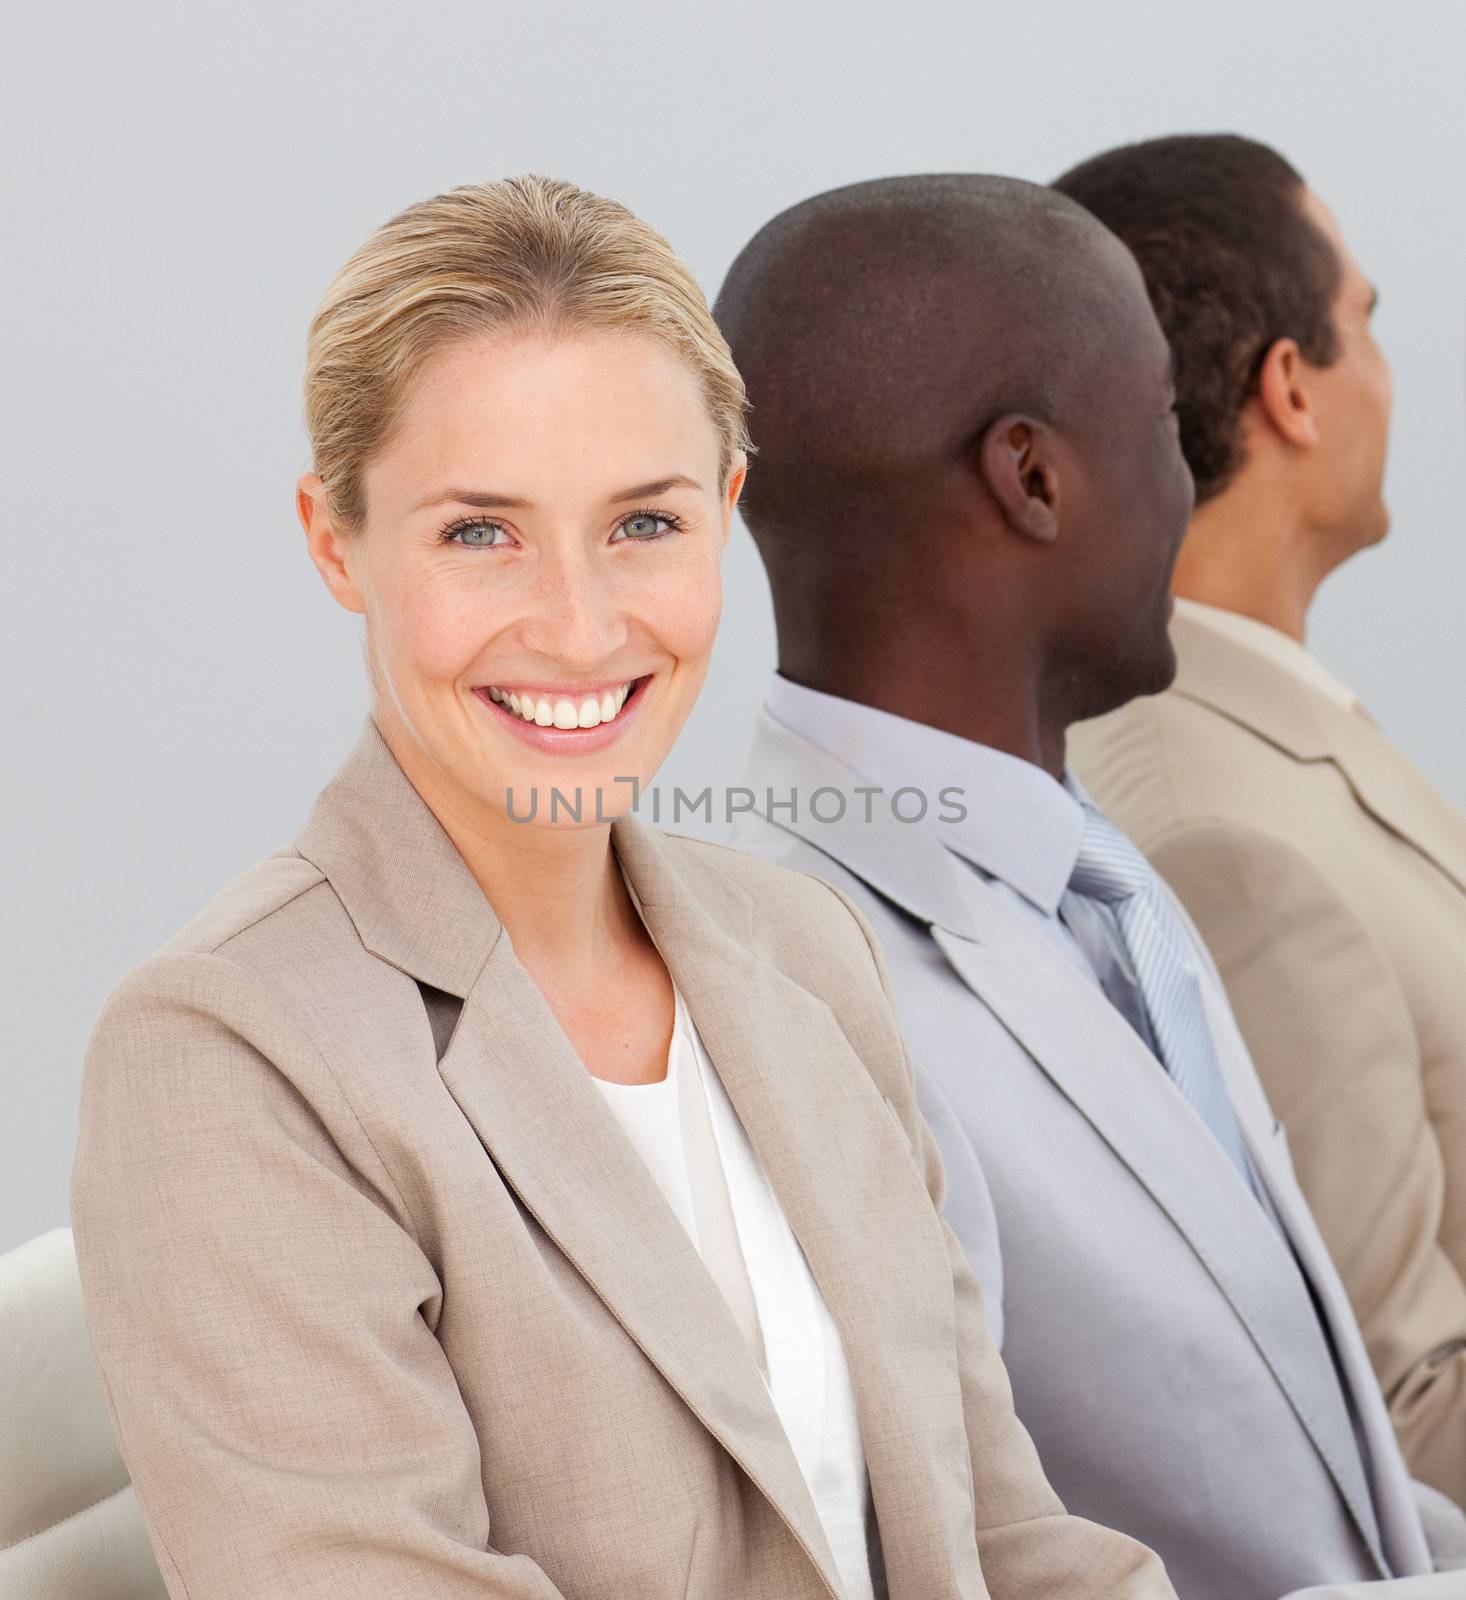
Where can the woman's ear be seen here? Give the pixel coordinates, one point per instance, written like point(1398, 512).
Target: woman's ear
point(1016, 455)
point(1282, 394)
point(737, 472)
point(332, 554)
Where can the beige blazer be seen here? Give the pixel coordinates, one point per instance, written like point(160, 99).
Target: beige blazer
point(1328, 879)
point(385, 1304)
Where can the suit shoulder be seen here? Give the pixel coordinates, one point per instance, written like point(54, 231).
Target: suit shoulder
point(168, 1031)
point(256, 894)
point(272, 968)
point(249, 943)
point(1167, 761)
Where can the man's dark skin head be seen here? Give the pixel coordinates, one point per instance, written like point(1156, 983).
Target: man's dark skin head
point(968, 492)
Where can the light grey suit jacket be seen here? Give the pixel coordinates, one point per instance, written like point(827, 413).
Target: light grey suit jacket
point(1164, 1348)
point(386, 1307)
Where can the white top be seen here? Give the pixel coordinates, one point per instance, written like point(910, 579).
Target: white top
point(802, 1359)
point(1264, 640)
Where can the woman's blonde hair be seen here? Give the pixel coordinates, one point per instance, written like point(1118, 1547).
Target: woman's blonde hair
point(520, 253)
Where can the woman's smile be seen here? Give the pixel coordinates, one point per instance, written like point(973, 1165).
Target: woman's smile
point(566, 719)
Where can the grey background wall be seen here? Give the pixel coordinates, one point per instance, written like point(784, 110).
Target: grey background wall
point(181, 180)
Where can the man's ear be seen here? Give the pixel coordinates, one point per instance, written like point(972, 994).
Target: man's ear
point(1017, 458)
point(1282, 394)
point(328, 549)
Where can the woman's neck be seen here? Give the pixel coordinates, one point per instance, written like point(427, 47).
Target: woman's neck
point(557, 891)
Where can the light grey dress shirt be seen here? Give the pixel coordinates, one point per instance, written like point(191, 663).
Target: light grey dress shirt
point(1021, 832)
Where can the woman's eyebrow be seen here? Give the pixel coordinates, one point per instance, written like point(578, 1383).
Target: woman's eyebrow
point(488, 500)
point(483, 498)
point(643, 491)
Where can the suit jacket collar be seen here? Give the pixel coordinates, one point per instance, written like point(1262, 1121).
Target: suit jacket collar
point(1247, 687)
point(1096, 1060)
point(1272, 644)
point(403, 883)
point(824, 1135)
point(1017, 823)
point(1277, 705)
point(896, 859)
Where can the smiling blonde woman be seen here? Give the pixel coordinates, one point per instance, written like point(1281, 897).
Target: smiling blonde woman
point(474, 1206)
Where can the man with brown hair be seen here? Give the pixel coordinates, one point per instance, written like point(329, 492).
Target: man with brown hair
point(1326, 874)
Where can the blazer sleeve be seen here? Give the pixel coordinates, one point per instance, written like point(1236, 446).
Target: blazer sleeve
point(1331, 1034)
point(256, 1301)
point(1028, 1543)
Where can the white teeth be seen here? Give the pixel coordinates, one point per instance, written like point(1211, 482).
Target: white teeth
point(562, 712)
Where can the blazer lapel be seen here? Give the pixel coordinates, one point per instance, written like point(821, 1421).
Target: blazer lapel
point(1395, 793)
point(1271, 702)
point(1096, 1060)
point(531, 1101)
point(841, 1166)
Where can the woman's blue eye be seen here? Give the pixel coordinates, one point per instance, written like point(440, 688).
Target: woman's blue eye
point(645, 525)
point(474, 533)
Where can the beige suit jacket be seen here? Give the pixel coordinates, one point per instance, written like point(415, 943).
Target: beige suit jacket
point(1328, 879)
point(385, 1304)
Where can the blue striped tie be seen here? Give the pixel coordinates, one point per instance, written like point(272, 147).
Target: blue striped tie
point(1111, 869)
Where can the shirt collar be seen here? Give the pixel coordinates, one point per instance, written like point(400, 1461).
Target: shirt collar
point(1021, 826)
point(1272, 644)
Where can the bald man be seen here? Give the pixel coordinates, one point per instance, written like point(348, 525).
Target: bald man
point(969, 496)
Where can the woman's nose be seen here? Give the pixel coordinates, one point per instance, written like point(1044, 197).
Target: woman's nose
point(575, 613)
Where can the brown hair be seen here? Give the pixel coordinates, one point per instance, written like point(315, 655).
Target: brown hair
point(1232, 263)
